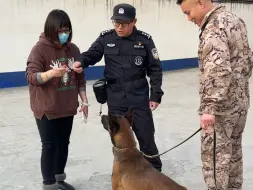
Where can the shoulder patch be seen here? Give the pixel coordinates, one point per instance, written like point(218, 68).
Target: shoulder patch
point(146, 35)
point(106, 32)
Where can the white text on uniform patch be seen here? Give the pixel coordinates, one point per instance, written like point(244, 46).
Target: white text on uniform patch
point(110, 45)
point(138, 46)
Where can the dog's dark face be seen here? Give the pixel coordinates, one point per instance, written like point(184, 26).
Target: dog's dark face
point(111, 123)
point(119, 127)
point(105, 120)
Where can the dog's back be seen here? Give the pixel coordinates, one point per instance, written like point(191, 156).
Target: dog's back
point(131, 171)
point(135, 172)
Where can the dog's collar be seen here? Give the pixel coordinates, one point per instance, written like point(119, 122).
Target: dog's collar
point(122, 149)
point(121, 154)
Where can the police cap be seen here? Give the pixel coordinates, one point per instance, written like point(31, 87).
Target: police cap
point(123, 11)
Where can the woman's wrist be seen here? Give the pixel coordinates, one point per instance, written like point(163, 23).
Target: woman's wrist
point(83, 96)
point(45, 76)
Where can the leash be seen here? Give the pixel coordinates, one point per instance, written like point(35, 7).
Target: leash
point(214, 159)
point(100, 111)
point(153, 156)
point(214, 152)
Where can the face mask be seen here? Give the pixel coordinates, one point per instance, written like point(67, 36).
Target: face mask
point(63, 38)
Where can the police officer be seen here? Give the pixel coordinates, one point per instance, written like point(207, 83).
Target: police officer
point(129, 55)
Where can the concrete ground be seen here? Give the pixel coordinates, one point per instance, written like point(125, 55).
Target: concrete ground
point(90, 159)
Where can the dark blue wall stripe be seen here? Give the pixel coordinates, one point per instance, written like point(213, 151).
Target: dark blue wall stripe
point(17, 79)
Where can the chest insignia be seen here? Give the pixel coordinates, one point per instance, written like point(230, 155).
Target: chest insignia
point(111, 45)
point(138, 60)
point(138, 46)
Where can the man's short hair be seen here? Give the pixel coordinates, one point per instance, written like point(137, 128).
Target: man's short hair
point(179, 2)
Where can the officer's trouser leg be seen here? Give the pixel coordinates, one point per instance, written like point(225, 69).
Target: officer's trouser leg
point(228, 170)
point(143, 127)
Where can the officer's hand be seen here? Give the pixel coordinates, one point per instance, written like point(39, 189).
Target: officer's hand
point(77, 67)
point(207, 121)
point(153, 105)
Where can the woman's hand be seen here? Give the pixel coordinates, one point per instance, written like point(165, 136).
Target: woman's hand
point(58, 71)
point(84, 109)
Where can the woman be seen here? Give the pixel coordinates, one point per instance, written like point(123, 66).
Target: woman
point(54, 89)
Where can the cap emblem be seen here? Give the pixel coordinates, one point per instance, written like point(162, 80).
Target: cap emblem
point(121, 11)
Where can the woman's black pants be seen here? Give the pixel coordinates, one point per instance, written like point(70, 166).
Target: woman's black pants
point(55, 135)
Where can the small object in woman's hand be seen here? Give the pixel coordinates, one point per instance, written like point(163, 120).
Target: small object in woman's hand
point(84, 104)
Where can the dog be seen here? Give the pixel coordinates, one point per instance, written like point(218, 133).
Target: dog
point(131, 171)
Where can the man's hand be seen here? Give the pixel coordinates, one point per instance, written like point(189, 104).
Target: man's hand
point(153, 105)
point(77, 67)
point(206, 121)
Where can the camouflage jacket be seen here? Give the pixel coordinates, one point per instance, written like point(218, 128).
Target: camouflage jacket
point(225, 62)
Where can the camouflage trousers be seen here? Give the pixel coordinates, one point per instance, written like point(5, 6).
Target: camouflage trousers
point(229, 159)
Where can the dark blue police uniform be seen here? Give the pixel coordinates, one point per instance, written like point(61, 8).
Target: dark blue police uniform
point(128, 60)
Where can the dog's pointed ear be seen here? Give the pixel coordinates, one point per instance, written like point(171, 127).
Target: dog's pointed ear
point(129, 115)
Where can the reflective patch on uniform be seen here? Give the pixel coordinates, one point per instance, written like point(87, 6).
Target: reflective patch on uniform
point(146, 34)
point(155, 53)
point(110, 45)
point(138, 60)
point(106, 32)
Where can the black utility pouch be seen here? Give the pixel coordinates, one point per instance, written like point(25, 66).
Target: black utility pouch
point(99, 88)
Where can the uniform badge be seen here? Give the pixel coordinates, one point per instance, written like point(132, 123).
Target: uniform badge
point(139, 45)
point(111, 45)
point(155, 53)
point(138, 60)
point(121, 11)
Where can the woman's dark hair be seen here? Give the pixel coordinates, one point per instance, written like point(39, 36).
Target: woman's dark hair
point(56, 20)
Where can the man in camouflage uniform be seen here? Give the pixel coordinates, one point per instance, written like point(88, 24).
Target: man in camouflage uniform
point(225, 62)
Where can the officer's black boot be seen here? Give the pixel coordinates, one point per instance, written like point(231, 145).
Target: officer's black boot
point(62, 184)
point(156, 163)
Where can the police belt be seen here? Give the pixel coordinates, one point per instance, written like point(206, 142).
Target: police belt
point(125, 79)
